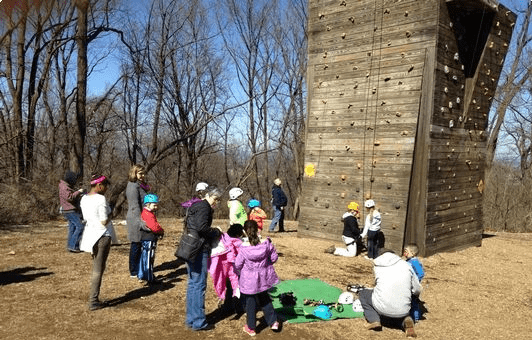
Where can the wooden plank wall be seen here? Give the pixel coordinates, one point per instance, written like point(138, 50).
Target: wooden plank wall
point(374, 106)
point(366, 61)
point(458, 134)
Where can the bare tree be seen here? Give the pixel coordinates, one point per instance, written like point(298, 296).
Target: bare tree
point(515, 79)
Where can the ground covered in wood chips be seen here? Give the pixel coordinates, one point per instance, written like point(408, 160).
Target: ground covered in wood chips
point(478, 293)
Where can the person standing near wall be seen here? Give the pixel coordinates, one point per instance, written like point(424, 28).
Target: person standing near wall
point(279, 201)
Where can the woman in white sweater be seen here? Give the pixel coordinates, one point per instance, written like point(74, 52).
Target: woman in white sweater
point(372, 228)
point(97, 235)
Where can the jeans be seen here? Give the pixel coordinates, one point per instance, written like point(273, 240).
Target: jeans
point(75, 229)
point(253, 303)
point(278, 217)
point(373, 244)
point(197, 283)
point(134, 258)
point(100, 252)
point(147, 258)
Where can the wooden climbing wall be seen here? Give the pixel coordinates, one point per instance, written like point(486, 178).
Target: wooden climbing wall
point(399, 92)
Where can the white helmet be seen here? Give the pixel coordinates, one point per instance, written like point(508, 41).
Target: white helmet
point(346, 298)
point(369, 203)
point(235, 193)
point(201, 186)
point(357, 306)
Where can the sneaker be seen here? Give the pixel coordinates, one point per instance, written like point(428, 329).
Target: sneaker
point(376, 326)
point(96, 305)
point(275, 326)
point(251, 332)
point(330, 250)
point(408, 323)
point(74, 250)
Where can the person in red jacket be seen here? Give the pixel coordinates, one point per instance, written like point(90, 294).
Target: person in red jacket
point(149, 237)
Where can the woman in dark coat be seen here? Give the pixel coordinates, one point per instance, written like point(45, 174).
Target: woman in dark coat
point(199, 222)
point(135, 191)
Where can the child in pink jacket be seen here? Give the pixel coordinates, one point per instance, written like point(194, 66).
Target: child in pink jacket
point(254, 263)
point(221, 267)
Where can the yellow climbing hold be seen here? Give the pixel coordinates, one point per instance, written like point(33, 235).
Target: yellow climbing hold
point(310, 170)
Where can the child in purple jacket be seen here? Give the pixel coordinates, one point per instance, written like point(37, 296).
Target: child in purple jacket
point(254, 263)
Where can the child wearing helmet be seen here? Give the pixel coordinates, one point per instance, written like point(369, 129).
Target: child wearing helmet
point(351, 233)
point(237, 212)
point(256, 214)
point(372, 228)
point(149, 237)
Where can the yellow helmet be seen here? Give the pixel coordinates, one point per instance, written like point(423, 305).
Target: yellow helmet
point(353, 206)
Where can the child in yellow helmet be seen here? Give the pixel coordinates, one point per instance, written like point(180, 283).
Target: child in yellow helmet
point(351, 233)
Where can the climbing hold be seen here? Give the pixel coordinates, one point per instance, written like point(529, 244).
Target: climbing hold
point(456, 56)
point(359, 165)
point(406, 13)
point(321, 15)
point(342, 195)
point(329, 28)
point(352, 19)
point(404, 133)
point(356, 85)
point(399, 83)
point(333, 112)
point(349, 106)
point(376, 143)
point(326, 205)
point(446, 90)
point(383, 103)
point(324, 54)
point(387, 79)
point(355, 68)
point(331, 159)
point(451, 124)
point(398, 153)
point(446, 69)
point(397, 205)
point(315, 198)
point(310, 171)
point(343, 177)
point(411, 68)
point(398, 114)
point(450, 105)
point(374, 90)
point(389, 185)
point(325, 66)
point(324, 101)
point(408, 34)
point(367, 74)
point(387, 11)
point(457, 100)
point(343, 3)
point(338, 129)
point(347, 148)
point(343, 35)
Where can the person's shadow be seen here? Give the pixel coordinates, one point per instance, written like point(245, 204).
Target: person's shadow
point(24, 274)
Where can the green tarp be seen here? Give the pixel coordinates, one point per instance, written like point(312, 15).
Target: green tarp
point(312, 289)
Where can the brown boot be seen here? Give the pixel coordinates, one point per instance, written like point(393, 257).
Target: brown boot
point(408, 324)
point(330, 250)
point(375, 326)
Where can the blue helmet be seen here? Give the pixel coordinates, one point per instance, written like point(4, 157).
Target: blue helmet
point(322, 312)
point(253, 203)
point(151, 198)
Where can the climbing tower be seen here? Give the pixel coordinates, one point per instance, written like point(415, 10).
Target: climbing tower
point(399, 94)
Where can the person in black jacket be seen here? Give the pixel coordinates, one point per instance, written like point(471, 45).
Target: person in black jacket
point(199, 220)
point(279, 201)
point(351, 233)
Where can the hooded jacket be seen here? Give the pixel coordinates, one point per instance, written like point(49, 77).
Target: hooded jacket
point(255, 265)
point(395, 283)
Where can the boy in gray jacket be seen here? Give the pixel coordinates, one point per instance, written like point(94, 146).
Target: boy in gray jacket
point(395, 283)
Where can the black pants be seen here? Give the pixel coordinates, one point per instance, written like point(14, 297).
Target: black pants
point(134, 258)
point(255, 302)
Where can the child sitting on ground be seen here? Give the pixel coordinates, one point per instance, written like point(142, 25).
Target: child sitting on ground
point(351, 233)
point(149, 238)
point(254, 263)
point(410, 253)
point(256, 214)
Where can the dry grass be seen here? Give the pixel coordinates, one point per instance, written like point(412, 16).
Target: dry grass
point(478, 293)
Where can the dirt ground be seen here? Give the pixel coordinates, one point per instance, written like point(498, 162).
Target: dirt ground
point(478, 293)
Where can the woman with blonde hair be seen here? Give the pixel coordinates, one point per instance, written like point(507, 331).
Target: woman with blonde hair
point(136, 189)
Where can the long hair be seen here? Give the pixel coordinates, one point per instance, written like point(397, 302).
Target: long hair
point(132, 176)
point(251, 228)
point(371, 210)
